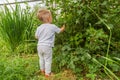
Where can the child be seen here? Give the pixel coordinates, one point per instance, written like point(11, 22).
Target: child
point(45, 34)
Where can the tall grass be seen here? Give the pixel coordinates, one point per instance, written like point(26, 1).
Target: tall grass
point(16, 25)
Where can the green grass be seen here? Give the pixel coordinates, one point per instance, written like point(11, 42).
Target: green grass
point(25, 67)
point(18, 68)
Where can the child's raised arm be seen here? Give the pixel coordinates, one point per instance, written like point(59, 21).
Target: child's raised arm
point(62, 28)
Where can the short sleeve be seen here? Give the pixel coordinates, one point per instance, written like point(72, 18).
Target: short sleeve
point(56, 29)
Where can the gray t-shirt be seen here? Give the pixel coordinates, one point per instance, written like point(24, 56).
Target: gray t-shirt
point(46, 34)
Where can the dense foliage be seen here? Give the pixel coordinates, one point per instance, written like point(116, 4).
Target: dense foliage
point(89, 47)
point(90, 43)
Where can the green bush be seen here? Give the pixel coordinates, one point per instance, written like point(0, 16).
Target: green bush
point(89, 28)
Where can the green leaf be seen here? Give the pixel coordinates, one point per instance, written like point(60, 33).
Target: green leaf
point(91, 76)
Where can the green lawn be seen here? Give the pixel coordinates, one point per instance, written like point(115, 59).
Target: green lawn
point(25, 67)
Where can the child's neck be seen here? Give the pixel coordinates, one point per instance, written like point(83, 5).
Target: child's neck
point(46, 23)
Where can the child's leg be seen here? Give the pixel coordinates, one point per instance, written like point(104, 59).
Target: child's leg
point(42, 63)
point(48, 60)
point(41, 59)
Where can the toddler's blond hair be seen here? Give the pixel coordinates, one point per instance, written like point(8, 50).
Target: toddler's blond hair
point(43, 15)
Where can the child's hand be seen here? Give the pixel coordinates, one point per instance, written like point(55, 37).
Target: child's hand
point(62, 28)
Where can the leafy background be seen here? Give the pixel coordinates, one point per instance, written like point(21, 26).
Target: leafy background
point(88, 49)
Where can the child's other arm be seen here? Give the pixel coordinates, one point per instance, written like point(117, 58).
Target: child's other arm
point(62, 28)
point(36, 37)
point(36, 34)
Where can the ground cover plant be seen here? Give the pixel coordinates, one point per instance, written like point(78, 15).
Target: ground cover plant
point(87, 50)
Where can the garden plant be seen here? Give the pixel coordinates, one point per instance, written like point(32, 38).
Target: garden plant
point(89, 49)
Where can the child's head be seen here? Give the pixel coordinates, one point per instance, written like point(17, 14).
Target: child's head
point(44, 15)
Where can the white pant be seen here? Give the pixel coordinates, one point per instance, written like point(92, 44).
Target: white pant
point(45, 58)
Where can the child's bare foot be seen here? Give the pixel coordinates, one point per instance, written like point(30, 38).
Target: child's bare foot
point(47, 76)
